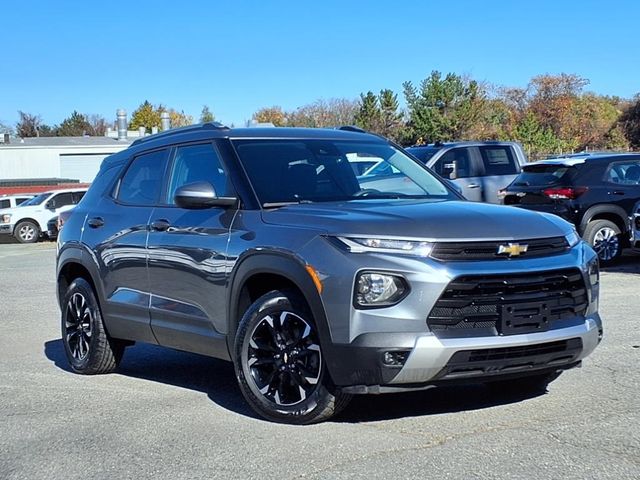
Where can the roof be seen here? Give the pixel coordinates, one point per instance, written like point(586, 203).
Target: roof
point(216, 130)
point(591, 158)
point(65, 141)
point(469, 143)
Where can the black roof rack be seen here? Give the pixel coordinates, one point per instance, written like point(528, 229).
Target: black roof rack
point(352, 128)
point(175, 131)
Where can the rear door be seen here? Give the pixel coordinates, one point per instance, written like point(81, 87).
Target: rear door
point(187, 257)
point(500, 168)
point(461, 165)
point(622, 183)
point(116, 231)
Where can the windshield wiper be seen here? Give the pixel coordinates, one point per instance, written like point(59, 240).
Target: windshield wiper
point(284, 204)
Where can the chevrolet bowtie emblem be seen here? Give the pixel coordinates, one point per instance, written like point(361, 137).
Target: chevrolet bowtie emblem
point(512, 249)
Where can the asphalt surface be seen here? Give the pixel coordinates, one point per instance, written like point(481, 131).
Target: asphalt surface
point(168, 414)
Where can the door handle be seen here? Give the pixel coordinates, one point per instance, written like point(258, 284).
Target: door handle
point(473, 185)
point(618, 192)
point(95, 222)
point(160, 225)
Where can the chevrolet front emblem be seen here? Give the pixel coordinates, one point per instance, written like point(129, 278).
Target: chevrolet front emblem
point(512, 249)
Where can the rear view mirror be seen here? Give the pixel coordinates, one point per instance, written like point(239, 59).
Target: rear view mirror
point(453, 166)
point(201, 195)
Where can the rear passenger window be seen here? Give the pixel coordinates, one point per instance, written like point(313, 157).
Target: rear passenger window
point(498, 161)
point(143, 180)
point(626, 173)
point(455, 163)
point(197, 163)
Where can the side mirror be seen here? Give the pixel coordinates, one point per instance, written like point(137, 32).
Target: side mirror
point(201, 195)
point(50, 205)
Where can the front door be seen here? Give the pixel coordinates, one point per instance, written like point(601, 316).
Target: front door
point(459, 165)
point(187, 257)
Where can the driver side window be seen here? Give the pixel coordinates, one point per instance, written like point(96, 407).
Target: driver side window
point(197, 163)
point(456, 160)
point(61, 200)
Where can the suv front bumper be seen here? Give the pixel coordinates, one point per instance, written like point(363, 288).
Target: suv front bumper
point(6, 228)
point(432, 360)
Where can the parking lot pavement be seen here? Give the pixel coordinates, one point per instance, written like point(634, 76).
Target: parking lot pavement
point(168, 414)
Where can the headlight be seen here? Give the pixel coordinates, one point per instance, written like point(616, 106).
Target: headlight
point(386, 245)
point(6, 218)
point(573, 239)
point(374, 289)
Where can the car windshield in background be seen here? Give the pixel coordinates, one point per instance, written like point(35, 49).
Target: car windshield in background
point(543, 175)
point(37, 200)
point(423, 154)
point(294, 171)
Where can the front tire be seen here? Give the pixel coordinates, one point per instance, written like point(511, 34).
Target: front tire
point(89, 349)
point(27, 232)
point(279, 364)
point(606, 239)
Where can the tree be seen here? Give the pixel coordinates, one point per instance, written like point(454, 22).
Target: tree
point(273, 115)
point(206, 115)
point(443, 108)
point(324, 113)
point(146, 115)
point(179, 119)
point(98, 125)
point(28, 125)
point(369, 115)
point(391, 117)
point(630, 123)
point(75, 125)
point(536, 139)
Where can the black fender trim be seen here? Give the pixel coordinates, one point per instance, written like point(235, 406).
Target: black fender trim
point(291, 267)
point(604, 208)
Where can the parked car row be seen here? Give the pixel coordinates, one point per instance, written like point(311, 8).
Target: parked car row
point(30, 220)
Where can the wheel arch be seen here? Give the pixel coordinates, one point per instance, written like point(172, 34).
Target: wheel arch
point(32, 220)
point(613, 213)
point(258, 273)
point(71, 265)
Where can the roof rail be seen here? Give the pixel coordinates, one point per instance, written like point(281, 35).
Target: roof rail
point(175, 131)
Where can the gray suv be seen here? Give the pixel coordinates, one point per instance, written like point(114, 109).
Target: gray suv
point(260, 246)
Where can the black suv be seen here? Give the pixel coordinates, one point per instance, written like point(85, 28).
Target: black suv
point(262, 246)
point(596, 193)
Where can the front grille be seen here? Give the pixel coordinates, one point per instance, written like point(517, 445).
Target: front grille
point(510, 304)
point(470, 363)
point(462, 251)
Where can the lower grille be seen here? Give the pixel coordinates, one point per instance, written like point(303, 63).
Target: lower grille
point(508, 304)
point(462, 251)
point(469, 363)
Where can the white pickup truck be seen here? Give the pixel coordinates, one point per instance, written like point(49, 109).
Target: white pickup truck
point(28, 221)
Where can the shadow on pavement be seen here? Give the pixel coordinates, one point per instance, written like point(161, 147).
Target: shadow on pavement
point(216, 378)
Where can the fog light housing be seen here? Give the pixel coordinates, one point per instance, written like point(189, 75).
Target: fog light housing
point(594, 272)
point(395, 358)
point(375, 289)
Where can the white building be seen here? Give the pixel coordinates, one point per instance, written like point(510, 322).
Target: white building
point(75, 158)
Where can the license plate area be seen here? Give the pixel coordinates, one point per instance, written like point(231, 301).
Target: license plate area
point(518, 318)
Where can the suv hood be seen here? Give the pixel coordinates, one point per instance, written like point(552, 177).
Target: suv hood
point(450, 220)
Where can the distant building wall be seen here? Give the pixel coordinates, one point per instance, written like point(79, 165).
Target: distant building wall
point(79, 162)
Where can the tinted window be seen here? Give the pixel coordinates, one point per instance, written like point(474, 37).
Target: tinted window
point(5, 204)
point(545, 175)
point(62, 200)
point(143, 180)
point(77, 196)
point(423, 154)
point(197, 163)
point(37, 200)
point(21, 200)
point(626, 173)
point(458, 159)
point(498, 161)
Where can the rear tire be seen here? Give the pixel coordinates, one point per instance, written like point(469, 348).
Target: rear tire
point(606, 239)
point(279, 364)
point(89, 349)
point(26, 232)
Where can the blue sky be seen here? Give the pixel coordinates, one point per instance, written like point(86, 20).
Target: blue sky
point(94, 57)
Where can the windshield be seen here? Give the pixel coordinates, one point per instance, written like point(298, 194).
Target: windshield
point(543, 175)
point(37, 200)
point(423, 154)
point(294, 171)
